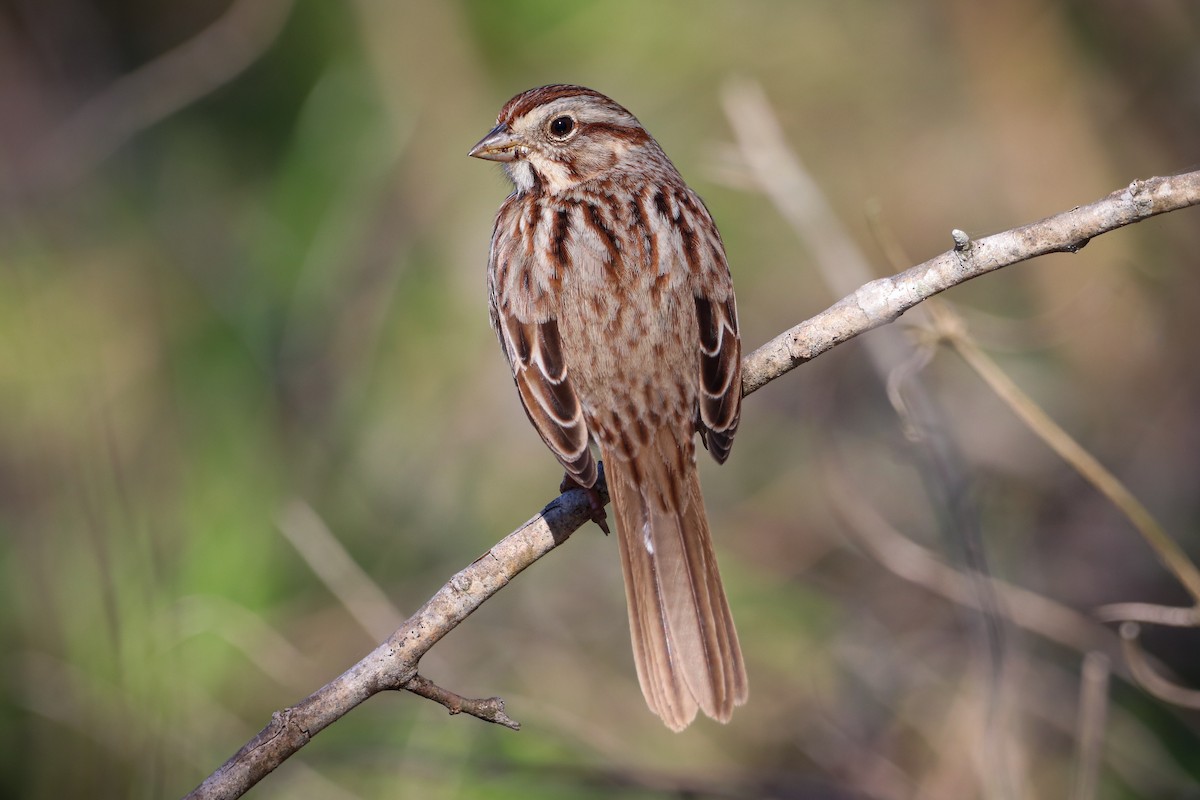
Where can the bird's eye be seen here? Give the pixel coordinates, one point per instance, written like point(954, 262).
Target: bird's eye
point(561, 127)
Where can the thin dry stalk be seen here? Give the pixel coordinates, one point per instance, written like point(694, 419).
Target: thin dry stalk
point(1093, 720)
point(1061, 442)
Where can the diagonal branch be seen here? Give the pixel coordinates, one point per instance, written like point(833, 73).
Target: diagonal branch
point(884, 300)
point(393, 665)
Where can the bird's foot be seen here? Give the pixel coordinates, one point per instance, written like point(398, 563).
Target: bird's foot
point(599, 516)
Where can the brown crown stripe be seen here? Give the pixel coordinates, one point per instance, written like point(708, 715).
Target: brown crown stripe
point(525, 102)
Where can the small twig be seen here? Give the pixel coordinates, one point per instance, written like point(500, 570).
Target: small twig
point(1093, 720)
point(490, 709)
point(1150, 613)
point(1147, 678)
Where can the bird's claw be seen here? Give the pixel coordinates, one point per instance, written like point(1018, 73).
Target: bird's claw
point(598, 516)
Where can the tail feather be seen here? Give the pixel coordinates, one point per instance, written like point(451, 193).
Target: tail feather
point(684, 641)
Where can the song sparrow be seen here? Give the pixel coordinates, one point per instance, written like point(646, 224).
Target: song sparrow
point(612, 299)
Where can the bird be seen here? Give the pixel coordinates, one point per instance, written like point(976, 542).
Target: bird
point(611, 295)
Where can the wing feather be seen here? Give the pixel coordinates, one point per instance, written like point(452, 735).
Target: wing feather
point(720, 374)
point(530, 339)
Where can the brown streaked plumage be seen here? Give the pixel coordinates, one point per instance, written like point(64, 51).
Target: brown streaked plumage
point(613, 303)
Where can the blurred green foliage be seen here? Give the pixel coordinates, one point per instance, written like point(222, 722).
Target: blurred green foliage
point(273, 291)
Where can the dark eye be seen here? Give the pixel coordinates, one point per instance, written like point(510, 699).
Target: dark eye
point(561, 127)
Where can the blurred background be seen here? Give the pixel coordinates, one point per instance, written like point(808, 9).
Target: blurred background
point(243, 329)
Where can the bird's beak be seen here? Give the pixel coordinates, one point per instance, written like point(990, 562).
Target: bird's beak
point(501, 144)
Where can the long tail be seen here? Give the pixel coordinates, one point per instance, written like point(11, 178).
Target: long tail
point(684, 642)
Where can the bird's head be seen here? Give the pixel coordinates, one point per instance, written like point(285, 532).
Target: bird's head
point(553, 138)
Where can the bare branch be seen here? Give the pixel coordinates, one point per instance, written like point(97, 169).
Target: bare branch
point(490, 709)
point(393, 665)
point(884, 300)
